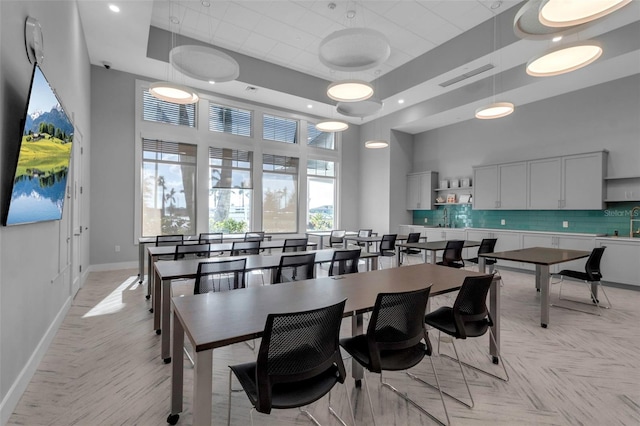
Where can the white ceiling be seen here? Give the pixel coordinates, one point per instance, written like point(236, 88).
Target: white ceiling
point(431, 42)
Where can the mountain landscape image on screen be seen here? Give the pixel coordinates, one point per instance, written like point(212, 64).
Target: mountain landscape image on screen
point(39, 186)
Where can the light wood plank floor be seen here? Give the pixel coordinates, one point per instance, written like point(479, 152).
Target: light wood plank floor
point(104, 368)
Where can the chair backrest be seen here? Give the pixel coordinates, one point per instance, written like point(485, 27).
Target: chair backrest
point(220, 276)
point(254, 236)
point(344, 262)
point(470, 314)
point(487, 245)
point(592, 267)
point(396, 324)
point(452, 252)
point(388, 242)
point(295, 244)
point(169, 240)
point(365, 232)
point(191, 251)
point(298, 346)
point(337, 236)
point(413, 237)
point(295, 267)
point(239, 248)
point(210, 237)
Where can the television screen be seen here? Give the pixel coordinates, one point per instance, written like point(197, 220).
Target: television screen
point(39, 184)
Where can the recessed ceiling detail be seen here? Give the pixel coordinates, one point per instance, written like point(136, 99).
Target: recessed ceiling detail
point(204, 63)
point(354, 49)
point(527, 25)
point(359, 109)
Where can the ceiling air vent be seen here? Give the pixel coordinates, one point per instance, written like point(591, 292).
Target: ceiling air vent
point(467, 75)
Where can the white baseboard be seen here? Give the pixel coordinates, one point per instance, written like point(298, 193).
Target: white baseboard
point(113, 266)
point(18, 387)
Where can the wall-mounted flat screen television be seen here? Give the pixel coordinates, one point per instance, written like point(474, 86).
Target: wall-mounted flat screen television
point(40, 181)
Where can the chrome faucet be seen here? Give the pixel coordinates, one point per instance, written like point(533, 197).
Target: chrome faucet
point(445, 217)
point(632, 221)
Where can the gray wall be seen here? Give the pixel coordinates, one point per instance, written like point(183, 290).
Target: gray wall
point(34, 292)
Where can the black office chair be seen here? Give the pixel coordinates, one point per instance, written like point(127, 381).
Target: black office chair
point(295, 267)
point(337, 237)
point(394, 340)
point(487, 245)
point(452, 255)
point(469, 317)
point(387, 247)
point(254, 236)
point(592, 277)
point(221, 275)
point(364, 233)
point(191, 251)
point(210, 237)
point(243, 248)
point(298, 362)
point(344, 262)
point(295, 245)
point(168, 240)
point(413, 237)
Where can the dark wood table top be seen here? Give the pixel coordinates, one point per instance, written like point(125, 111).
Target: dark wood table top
point(436, 245)
point(273, 244)
point(218, 319)
point(539, 255)
point(187, 268)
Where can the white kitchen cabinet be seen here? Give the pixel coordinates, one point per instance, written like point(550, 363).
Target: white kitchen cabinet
point(501, 186)
point(572, 182)
point(421, 190)
point(619, 262)
point(623, 188)
point(563, 241)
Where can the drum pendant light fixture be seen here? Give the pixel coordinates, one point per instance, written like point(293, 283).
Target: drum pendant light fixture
point(350, 91)
point(565, 13)
point(332, 126)
point(564, 59)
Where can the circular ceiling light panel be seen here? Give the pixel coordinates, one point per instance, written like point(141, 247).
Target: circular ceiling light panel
point(495, 110)
point(359, 109)
point(564, 13)
point(204, 63)
point(354, 49)
point(527, 25)
point(564, 59)
point(350, 91)
point(172, 92)
point(332, 126)
point(376, 144)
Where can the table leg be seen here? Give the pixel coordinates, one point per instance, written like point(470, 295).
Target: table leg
point(202, 385)
point(356, 329)
point(433, 257)
point(157, 301)
point(149, 277)
point(494, 309)
point(140, 262)
point(177, 378)
point(166, 321)
point(482, 265)
point(542, 282)
point(399, 258)
point(374, 263)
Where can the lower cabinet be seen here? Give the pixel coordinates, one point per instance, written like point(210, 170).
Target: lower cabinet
point(620, 261)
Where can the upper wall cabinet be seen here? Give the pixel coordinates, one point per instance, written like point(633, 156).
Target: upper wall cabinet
point(421, 190)
point(623, 188)
point(501, 186)
point(572, 182)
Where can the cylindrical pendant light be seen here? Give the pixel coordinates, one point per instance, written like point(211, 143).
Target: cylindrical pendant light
point(332, 126)
point(172, 92)
point(495, 110)
point(564, 59)
point(350, 91)
point(376, 144)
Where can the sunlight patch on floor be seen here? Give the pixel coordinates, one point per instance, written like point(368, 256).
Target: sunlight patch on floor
point(114, 301)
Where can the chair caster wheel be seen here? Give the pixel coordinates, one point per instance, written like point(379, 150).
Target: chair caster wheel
point(167, 360)
point(147, 296)
point(543, 325)
point(158, 331)
point(495, 360)
point(358, 383)
point(173, 419)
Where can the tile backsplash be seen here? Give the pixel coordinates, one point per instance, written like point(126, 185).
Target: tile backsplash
point(615, 217)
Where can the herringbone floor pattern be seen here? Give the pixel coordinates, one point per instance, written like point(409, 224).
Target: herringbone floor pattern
point(104, 368)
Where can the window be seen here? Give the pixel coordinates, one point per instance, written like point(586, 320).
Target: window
point(168, 188)
point(321, 184)
point(318, 139)
point(279, 129)
point(229, 120)
point(159, 111)
point(230, 190)
point(279, 193)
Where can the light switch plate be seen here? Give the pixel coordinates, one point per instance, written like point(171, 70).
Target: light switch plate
point(426, 220)
point(565, 224)
point(503, 222)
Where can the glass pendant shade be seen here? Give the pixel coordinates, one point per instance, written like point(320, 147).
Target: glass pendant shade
point(376, 144)
point(172, 92)
point(495, 110)
point(565, 13)
point(332, 126)
point(350, 91)
point(564, 59)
